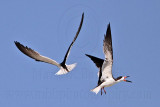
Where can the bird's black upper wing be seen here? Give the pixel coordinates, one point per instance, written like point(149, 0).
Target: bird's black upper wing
point(107, 44)
point(97, 61)
point(108, 51)
point(67, 53)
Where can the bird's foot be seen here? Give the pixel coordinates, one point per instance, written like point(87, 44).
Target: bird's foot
point(101, 91)
point(104, 90)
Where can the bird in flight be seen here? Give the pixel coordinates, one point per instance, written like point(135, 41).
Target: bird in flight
point(106, 78)
point(64, 68)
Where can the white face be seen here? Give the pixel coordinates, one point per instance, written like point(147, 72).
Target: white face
point(122, 79)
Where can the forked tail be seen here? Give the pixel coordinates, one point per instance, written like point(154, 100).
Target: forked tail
point(96, 90)
point(66, 70)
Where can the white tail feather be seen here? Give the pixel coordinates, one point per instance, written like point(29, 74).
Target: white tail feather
point(64, 71)
point(96, 90)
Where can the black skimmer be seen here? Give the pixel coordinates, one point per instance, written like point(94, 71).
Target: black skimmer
point(106, 78)
point(64, 68)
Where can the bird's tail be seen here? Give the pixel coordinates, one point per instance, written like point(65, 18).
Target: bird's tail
point(66, 70)
point(96, 90)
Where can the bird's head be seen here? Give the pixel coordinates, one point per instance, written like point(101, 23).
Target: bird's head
point(122, 78)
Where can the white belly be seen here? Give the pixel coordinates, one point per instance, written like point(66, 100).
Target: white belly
point(108, 83)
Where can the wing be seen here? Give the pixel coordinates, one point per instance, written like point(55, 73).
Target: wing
point(99, 77)
point(107, 49)
point(67, 53)
point(35, 55)
point(97, 61)
point(107, 45)
point(106, 70)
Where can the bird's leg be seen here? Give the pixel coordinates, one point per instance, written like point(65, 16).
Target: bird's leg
point(104, 90)
point(101, 91)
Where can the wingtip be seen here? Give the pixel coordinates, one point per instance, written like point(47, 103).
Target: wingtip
point(83, 14)
point(16, 43)
point(108, 27)
point(82, 17)
point(108, 30)
point(86, 54)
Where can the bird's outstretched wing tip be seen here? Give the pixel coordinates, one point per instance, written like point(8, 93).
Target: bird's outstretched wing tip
point(86, 54)
point(109, 27)
point(16, 42)
point(83, 15)
point(89, 55)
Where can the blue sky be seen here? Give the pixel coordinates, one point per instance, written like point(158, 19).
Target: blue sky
point(49, 26)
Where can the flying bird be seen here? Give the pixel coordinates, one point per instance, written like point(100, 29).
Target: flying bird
point(64, 68)
point(106, 78)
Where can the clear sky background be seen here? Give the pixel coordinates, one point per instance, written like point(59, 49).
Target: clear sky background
point(49, 26)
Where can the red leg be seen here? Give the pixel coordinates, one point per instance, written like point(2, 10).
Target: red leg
point(104, 90)
point(101, 91)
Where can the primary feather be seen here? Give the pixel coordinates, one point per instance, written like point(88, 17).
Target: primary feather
point(35, 55)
